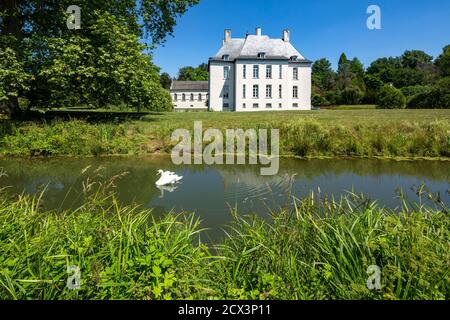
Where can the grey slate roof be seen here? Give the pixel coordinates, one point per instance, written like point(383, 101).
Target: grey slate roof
point(190, 85)
point(253, 44)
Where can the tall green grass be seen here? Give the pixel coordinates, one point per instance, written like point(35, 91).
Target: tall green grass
point(319, 250)
point(298, 137)
point(122, 252)
point(323, 251)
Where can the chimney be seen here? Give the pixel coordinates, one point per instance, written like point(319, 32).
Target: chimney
point(227, 35)
point(286, 35)
point(258, 31)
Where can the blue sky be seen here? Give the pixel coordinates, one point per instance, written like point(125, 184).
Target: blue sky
point(319, 28)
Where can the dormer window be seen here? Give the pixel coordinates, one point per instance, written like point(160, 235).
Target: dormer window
point(294, 58)
point(226, 57)
point(261, 55)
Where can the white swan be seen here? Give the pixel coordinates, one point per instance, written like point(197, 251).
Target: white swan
point(167, 178)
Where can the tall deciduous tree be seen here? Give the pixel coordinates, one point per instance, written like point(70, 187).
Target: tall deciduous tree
point(165, 80)
point(323, 75)
point(36, 26)
point(443, 62)
point(199, 73)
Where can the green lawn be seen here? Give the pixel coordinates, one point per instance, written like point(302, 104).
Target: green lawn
point(334, 117)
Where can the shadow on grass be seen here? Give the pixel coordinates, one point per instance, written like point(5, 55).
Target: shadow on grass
point(91, 116)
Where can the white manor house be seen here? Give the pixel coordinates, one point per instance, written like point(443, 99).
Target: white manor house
point(254, 73)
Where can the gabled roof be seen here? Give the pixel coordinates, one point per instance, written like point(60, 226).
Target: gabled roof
point(254, 44)
point(190, 85)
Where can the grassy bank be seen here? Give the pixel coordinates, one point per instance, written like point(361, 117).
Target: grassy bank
point(358, 133)
point(321, 250)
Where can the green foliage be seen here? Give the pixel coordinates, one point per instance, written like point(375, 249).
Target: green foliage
point(100, 65)
point(165, 80)
point(344, 87)
point(199, 73)
point(412, 68)
point(323, 249)
point(411, 91)
point(437, 96)
point(318, 100)
point(320, 250)
point(103, 68)
point(415, 58)
point(359, 133)
point(74, 138)
point(122, 252)
point(443, 61)
point(351, 95)
point(373, 85)
point(391, 98)
point(151, 19)
point(14, 80)
point(322, 74)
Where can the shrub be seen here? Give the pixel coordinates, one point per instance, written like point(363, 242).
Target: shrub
point(438, 97)
point(411, 91)
point(318, 100)
point(333, 97)
point(391, 98)
point(352, 95)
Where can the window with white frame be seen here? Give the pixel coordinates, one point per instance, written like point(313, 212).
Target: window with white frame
point(244, 91)
point(269, 72)
point(280, 70)
point(295, 105)
point(244, 71)
point(295, 71)
point(183, 97)
point(175, 97)
point(280, 91)
point(280, 105)
point(255, 105)
point(255, 71)
point(192, 97)
point(226, 72)
point(269, 91)
point(243, 106)
point(268, 105)
point(199, 97)
point(295, 92)
point(255, 91)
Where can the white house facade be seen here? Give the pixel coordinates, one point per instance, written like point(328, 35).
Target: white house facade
point(190, 95)
point(255, 73)
point(258, 73)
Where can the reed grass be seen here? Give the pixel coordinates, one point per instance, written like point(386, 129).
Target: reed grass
point(331, 133)
point(321, 249)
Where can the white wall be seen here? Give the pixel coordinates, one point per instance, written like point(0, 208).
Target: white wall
point(217, 83)
point(188, 104)
point(236, 82)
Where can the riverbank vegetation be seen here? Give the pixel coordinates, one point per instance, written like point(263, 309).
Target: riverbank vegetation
point(333, 133)
point(321, 249)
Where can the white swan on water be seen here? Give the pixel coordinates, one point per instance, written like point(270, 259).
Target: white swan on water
point(167, 178)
